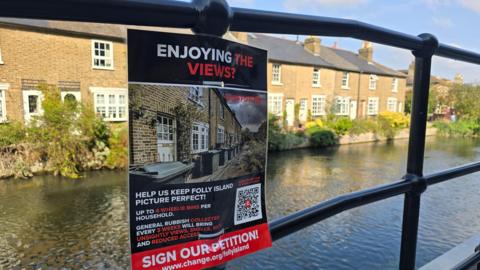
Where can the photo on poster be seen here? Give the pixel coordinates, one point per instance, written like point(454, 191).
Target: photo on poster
point(196, 134)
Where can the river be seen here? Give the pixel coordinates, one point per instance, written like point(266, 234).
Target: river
point(82, 224)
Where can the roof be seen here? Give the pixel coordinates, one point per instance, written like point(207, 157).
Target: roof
point(289, 51)
point(279, 49)
point(114, 31)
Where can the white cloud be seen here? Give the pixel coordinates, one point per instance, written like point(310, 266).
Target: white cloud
point(471, 4)
point(296, 5)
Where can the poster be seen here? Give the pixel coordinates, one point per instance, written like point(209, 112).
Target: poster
point(198, 143)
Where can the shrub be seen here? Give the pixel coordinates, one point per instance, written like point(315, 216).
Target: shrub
point(118, 144)
point(11, 133)
point(340, 125)
point(389, 123)
point(463, 127)
point(323, 138)
point(361, 126)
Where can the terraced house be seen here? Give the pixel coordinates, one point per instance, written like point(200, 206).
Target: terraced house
point(87, 62)
point(308, 80)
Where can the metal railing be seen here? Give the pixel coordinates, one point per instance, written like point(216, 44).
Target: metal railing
point(215, 17)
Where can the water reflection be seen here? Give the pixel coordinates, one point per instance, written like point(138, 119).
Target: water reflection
point(52, 222)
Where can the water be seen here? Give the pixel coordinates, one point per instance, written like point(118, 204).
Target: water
point(48, 221)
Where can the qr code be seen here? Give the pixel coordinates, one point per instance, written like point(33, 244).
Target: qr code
point(248, 204)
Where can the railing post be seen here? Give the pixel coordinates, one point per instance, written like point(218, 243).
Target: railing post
point(214, 17)
point(416, 149)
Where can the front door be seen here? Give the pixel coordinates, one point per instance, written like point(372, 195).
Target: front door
point(32, 104)
point(290, 108)
point(353, 109)
point(166, 139)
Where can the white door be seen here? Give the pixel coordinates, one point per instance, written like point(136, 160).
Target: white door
point(303, 112)
point(166, 139)
point(353, 109)
point(32, 104)
point(290, 108)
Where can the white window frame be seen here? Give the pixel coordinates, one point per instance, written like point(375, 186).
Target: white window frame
point(316, 82)
point(195, 94)
point(220, 134)
point(109, 57)
point(3, 102)
point(319, 103)
point(395, 85)
point(1, 59)
point(165, 129)
point(276, 74)
point(344, 104)
point(26, 106)
point(117, 92)
point(392, 104)
point(345, 80)
point(275, 103)
point(202, 132)
point(372, 110)
point(372, 81)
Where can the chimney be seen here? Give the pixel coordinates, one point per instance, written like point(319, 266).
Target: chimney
point(366, 52)
point(241, 37)
point(313, 45)
point(458, 79)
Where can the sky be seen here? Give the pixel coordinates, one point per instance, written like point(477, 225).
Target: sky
point(453, 22)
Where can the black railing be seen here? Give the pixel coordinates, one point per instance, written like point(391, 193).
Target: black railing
point(215, 17)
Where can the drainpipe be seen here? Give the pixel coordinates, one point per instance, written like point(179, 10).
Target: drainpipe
point(358, 94)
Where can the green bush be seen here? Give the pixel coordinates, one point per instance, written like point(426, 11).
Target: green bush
point(118, 143)
point(463, 127)
point(390, 123)
point(11, 133)
point(361, 126)
point(323, 138)
point(340, 125)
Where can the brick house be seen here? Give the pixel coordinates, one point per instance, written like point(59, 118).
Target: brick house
point(160, 130)
point(308, 80)
point(87, 62)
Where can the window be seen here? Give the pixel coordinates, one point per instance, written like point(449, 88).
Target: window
point(195, 95)
point(392, 104)
point(1, 59)
point(372, 106)
point(102, 54)
point(316, 77)
point(3, 106)
point(110, 104)
point(342, 105)
point(275, 103)
point(165, 129)
point(220, 134)
point(345, 79)
point(276, 73)
point(372, 82)
point(221, 110)
point(318, 105)
point(70, 95)
point(32, 104)
point(199, 137)
point(394, 85)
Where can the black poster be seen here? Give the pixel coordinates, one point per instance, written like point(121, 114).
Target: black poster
point(198, 144)
point(192, 60)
